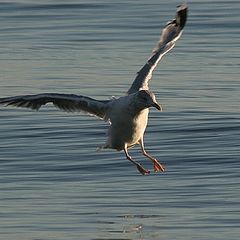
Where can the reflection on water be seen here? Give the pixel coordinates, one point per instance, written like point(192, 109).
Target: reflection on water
point(54, 185)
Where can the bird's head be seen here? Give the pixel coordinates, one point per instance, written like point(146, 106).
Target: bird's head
point(147, 99)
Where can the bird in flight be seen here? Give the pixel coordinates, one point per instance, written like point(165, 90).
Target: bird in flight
point(127, 115)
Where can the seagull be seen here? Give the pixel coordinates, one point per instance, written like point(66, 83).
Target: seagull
point(127, 115)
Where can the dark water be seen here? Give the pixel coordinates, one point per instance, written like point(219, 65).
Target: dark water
point(54, 185)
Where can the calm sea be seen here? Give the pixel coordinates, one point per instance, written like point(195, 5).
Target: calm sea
point(53, 183)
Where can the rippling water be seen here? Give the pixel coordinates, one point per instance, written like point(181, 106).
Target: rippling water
point(54, 185)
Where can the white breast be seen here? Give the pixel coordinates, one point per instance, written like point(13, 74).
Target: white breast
point(127, 129)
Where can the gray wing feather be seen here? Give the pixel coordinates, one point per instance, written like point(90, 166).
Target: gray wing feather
point(66, 102)
point(170, 34)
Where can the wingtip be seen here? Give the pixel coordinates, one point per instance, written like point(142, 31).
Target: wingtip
point(181, 17)
point(182, 6)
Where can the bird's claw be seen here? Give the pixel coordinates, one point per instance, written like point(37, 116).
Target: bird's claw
point(158, 167)
point(142, 170)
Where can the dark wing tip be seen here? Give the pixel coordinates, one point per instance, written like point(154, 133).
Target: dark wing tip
point(181, 16)
point(20, 101)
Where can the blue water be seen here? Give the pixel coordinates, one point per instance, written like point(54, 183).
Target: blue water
point(53, 183)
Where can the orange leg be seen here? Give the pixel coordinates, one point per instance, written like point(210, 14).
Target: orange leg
point(140, 168)
point(157, 166)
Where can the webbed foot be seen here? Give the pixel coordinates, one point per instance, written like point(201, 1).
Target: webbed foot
point(158, 167)
point(142, 170)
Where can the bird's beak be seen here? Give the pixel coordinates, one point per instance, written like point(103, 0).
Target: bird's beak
point(157, 106)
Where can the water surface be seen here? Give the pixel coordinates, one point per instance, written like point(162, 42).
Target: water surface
point(53, 183)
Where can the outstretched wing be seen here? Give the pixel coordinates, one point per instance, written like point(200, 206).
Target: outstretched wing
point(66, 102)
point(170, 34)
